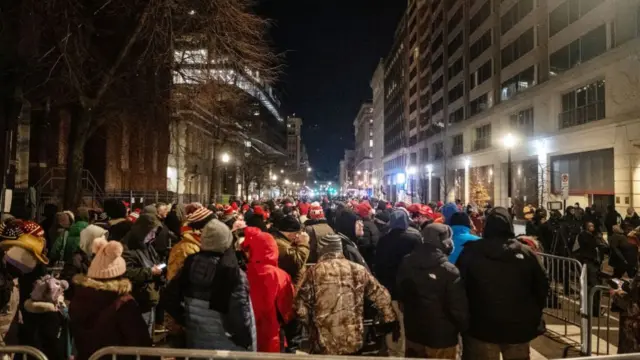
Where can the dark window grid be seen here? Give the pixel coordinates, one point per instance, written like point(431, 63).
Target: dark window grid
point(581, 50)
point(478, 105)
point(583, 105)
point(456, 18)
point(569, 12)
point(457, 146)
point(455, 44)
point(522, 122)
point(456, 116)
point(518, 48)
point(480, 46)
point(518, 83)
point(456, 68)
point(482, 74)
point(480, 16)
point(456, 92)
point(438, 150)
point(516, 13)
point(483, 138)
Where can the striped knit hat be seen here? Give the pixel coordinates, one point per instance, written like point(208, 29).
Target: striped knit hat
point(315, 211)
point(199, 215)
point(331, 243)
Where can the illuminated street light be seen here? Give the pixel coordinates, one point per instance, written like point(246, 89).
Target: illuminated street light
point(358, 172)
point(274, 177)
point(281, 171)
point(329, 182)
point(412, 170)
point(509, 142)
point(286, 181)
point(309, 169)
point(225, 158)
point(374, 181)
point(429, 168)
point(467, 162)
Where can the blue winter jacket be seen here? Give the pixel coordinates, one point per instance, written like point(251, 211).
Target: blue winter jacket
point(461, 235)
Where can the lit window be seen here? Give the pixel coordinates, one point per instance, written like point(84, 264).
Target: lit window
point(370, 143)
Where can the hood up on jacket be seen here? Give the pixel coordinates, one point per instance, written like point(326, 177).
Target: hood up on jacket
point(261, 246)
point(134, 240)
point(448, 210)
point(437, 236)
point(399, 220)
point(346, 224)
point(498, 224)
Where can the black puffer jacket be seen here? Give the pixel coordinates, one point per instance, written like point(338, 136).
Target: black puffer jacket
point(393, 247)
point(368, 242)
point(434, 298)
point(505, 283)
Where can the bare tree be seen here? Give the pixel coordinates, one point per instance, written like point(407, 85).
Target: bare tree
point(101, 57)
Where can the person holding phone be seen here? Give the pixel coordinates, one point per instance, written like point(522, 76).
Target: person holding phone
point(144, 268)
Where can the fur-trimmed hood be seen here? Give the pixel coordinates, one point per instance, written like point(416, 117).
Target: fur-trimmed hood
point(118, 286)
point(40, 307)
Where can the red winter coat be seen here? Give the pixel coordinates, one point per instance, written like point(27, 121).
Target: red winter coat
point(271, 288)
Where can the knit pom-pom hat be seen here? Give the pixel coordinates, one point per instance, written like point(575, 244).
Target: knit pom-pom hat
point(107, 262)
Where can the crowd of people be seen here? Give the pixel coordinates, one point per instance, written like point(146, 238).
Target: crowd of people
point(328, 277)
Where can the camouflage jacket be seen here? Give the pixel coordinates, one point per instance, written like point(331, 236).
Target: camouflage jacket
point(330, 303)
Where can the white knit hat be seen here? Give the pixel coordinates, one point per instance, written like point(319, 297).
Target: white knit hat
point(107, 262)
point(88, 235)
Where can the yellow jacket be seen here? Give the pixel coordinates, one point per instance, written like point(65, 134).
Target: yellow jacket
point(188, 245)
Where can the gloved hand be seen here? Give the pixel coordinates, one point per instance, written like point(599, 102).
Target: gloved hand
point(393, 328)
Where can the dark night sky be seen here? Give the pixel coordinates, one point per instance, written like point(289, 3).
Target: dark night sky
point(331, 50)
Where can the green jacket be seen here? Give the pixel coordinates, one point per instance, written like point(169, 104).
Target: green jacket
point(63, 250)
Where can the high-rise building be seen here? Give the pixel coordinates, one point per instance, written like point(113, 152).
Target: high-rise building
point(347, 171)
point(394, 114)
point(294, 142)
point(377, 86)
point(559, 79)
point(363, 125)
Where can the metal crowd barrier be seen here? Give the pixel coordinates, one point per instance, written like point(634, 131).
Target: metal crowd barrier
point(10, 352)
point(114, 351)
point(600, 327)
point(634, 356)
point(568, 287)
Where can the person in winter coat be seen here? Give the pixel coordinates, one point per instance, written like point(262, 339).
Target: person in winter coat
point(627, 299)
point(399, 242)
point(612, 218)
point(590, 249)
point(433, 297)
point(448, 210)
point(349, 229)
point(118, 225)
point(623, 255)
point(271, 288)
point(421, 215)
point(69, 240)
point(189, 243)
point(369, 240)
point(632, 220)
point(461, 227)
point(102, 312)
point(293, 246)
point(507, 289)
point(143, 265)
point(317, 228)
point(330, 301)
point(210, 296)
point(47, 306)
point(81, 258)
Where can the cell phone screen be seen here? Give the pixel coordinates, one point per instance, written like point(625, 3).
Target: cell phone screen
point(162, 266)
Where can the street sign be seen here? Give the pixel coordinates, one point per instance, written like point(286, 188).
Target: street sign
point(564, 185)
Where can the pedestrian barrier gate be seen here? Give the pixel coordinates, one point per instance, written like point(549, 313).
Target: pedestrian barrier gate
point(11, 352)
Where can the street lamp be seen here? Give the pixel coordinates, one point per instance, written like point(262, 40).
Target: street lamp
point(281, 171)
point(286, 181)
point(225, 158)
point(358, 172)
point(309, 169)
point(509, 142)
point(274, 177)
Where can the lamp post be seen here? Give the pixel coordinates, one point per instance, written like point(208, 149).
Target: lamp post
point(509, 142)
point(467, 162)
point(411, 171)
point(429, 173)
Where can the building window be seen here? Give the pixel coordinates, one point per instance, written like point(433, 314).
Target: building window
point(583, 49)
point(569, 12)
point(522, 122)
point(437, 106)
point(413, 159)
point(456, 93)
point(437, 84)
point(481, 75)
point(590, 172)
point(513, 16)
point(455, 20)
point(424, 154)
point(583, 105)
point(479, 104)
point(437, 64)
point(457, 145)
point(437, 42)
point(455, 44)
point(517, 48)
point(437, 21)
point(456, 116)
point(518, 83)
point(438, 150)
point(124, 147)
point(480, 46)
point(480, 17)
point(370, 143)
point(483, 138)
point(456, 68)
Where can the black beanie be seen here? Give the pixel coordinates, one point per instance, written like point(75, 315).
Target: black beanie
point(460, 218)
point(288, 223)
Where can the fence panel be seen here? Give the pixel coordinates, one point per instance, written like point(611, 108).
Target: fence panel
point(567, 280)
point(114, 351)
point(10, 352)
point(603, 326)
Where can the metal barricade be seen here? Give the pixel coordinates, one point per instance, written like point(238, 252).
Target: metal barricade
point(565, 305)
point(634, 356)
point(114, 351)
point(600, 327)
point(10, 352)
